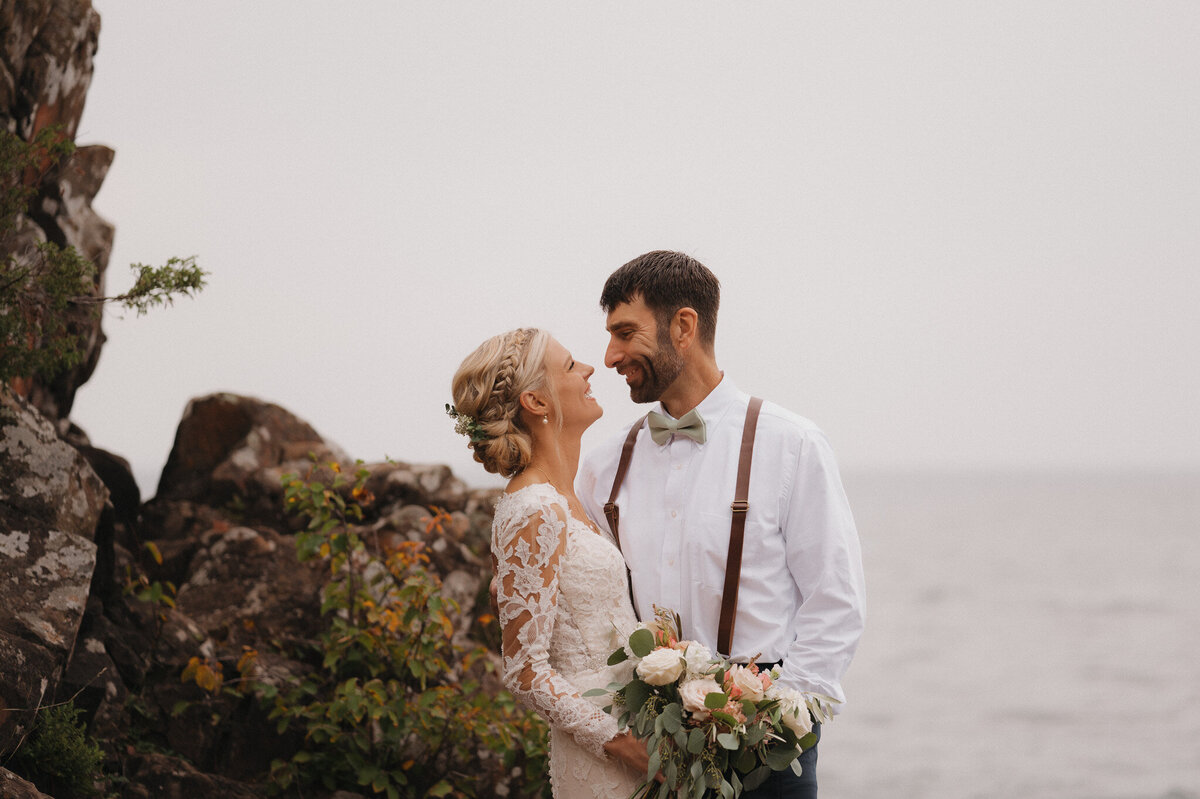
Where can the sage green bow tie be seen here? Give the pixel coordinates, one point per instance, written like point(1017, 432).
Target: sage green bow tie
point(663, 427)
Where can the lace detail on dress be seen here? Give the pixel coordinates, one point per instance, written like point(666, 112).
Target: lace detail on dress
point(563, 594)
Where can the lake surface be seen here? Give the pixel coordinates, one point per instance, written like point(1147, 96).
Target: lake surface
point(1027, 636)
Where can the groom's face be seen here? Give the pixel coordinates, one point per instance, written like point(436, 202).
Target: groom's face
point(641, 351)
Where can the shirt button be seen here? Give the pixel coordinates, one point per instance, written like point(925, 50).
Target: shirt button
point(673, 514)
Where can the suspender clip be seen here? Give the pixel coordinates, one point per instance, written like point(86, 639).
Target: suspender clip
point(740, 506)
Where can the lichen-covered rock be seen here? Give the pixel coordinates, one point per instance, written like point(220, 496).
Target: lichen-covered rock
point(230, 450)
point(28, 674)
point(46, 63)
point(48, 573)
point(50, 504)
point(47, 484)
point(417, 484)
point(158, 776)
point(13, 787)
point(245, 585)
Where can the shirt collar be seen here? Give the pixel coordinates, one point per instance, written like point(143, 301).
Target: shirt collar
point(713, 407)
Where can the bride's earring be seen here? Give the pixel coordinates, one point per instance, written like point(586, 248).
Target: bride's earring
point(546, 419)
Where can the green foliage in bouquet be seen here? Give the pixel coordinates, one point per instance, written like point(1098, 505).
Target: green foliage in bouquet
point(46, 287)
point(393, 706)
point(711, 728)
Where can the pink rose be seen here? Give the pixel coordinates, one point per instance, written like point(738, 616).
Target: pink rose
point(747, 681)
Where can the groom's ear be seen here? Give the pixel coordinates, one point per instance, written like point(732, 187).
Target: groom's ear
point(685, 325)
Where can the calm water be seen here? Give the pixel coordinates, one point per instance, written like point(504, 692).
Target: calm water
point(1028, 636)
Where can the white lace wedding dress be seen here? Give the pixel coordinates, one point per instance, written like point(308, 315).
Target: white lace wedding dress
point(562, 590)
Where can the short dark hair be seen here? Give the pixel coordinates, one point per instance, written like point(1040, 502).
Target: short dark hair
point(667, 281)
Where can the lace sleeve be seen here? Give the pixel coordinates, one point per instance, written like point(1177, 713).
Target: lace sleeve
point(528, 546)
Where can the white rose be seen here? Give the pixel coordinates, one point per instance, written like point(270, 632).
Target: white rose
point(692, 693)
point(698, 658)
point(748, 681)
point(660, 667)
point(794, 712)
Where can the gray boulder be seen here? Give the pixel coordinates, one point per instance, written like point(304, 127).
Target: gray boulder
point(50, 504)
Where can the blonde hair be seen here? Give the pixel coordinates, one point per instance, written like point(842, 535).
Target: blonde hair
point(488, 387)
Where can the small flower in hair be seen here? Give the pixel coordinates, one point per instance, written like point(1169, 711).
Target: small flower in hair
point(466, 425)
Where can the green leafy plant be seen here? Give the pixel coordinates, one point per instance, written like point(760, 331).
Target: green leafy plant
point(47, 289)
point(58, 756)
point(395, 705)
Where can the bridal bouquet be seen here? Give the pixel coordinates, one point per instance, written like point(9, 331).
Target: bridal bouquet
point(711, 727)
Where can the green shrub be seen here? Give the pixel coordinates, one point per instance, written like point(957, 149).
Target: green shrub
point(58, 756)
point(396, 706)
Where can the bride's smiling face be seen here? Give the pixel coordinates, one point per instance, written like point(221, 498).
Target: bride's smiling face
point(569, 379)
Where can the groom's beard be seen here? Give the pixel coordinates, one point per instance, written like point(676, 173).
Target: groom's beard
point(658, 372)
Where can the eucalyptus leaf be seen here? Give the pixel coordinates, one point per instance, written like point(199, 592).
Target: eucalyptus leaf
point(725, 718)
point(781, 757)
point(620, 656)
point(695, 744)
point(715, 700)
point(698, 786)
point(636, 694)
point(595, 692)
point(754, 733)
point(745, 761)
point(672, 717)
point(726, 790)
point(797, 769)
point(641, 641)
point(809, 741)
point(654, 765)
point(728, 740)
point(756, 778)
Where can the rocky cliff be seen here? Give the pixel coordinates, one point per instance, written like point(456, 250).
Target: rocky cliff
point(212, 556)
point(68, 630)
point(46, 52)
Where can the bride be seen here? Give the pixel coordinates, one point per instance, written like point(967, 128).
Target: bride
point(561, 584)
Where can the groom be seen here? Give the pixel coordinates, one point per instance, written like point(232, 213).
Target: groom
point(800, 601)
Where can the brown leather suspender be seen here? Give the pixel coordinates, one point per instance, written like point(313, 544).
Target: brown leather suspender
point(737, 528)
point(611, 511)
point(737, 531)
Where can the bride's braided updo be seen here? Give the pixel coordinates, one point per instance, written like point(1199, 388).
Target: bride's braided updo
point(488, 387)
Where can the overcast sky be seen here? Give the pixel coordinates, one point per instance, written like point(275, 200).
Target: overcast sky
point(955, 235)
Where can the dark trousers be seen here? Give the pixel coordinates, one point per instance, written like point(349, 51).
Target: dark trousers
point(785, 784)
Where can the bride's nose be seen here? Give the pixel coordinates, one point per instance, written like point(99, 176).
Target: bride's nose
point(588, 370)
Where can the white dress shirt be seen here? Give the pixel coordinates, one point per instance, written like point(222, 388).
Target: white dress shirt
point(802, 594)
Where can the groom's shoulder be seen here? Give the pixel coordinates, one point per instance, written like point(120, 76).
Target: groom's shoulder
point(778, 421)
